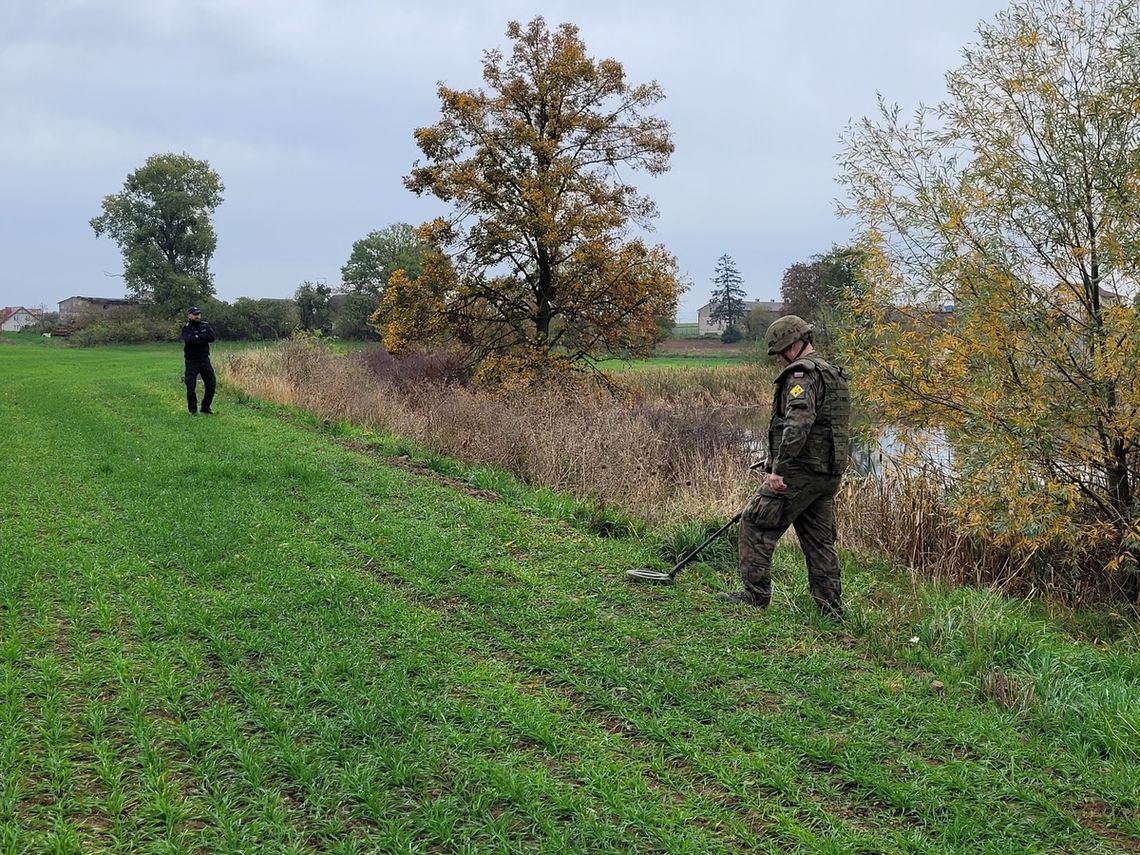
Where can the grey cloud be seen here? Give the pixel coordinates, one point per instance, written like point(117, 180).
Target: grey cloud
point(307, 110)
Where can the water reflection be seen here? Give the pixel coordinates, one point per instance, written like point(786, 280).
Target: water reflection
point(895, 452)
point(902, 451)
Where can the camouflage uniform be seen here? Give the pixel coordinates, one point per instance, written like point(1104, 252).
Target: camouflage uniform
point(808, 446)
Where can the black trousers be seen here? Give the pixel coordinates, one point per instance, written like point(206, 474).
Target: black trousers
point(194, 367)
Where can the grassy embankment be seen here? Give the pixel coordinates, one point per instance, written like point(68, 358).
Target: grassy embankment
point(248, 633)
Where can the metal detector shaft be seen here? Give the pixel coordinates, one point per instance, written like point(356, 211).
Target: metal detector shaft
point(688, 558)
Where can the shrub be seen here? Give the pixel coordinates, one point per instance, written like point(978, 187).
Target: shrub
point(127, 326)
point(435, 367)
point(253, 319)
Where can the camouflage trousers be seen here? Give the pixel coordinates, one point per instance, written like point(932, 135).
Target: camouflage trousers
point(808, 505)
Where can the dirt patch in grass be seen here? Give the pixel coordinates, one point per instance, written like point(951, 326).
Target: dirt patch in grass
point(406, 463)
point(1094, 817)
point(759, 700)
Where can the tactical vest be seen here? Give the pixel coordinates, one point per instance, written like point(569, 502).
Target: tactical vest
point(829, 439)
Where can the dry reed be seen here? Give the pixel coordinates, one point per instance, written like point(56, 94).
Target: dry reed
point(738, 385)
point(904, 516)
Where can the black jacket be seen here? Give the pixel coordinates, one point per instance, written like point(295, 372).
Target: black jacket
point(197, 335)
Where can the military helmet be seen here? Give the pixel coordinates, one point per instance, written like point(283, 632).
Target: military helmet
point(786, 331)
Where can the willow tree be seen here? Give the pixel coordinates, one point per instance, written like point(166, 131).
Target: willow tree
point(538, 266)
point(1015, 203)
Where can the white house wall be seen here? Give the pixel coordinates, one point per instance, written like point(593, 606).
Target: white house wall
point(17, 322)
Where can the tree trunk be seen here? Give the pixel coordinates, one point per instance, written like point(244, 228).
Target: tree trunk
point(544, 309)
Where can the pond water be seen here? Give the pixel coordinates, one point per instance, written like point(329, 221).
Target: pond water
point(899, 451)
point(891, 454)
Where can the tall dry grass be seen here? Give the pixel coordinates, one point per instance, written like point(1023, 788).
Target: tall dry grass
point(733, 385)
point(904, 516)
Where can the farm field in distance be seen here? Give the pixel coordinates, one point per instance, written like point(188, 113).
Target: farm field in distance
point(684, 330)
point(259, 633)
point(688, 353)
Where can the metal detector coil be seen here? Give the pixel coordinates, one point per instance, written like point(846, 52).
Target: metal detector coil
point(647, 574)
point(644, 574)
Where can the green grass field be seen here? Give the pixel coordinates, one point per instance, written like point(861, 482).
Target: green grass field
point(679, 354)
point(254, 633)
point(672, 361)
point(685, 330)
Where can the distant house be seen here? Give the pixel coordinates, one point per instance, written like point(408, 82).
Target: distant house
point(1070, 299)
point(16, 318)
point(1069, 294)
point(705, 326)
point(74, 308)
point(916, 318)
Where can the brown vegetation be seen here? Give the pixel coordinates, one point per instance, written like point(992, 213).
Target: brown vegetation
point(700, 347)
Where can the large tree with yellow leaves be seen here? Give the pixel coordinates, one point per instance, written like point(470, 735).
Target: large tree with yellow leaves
point(537, 267)
point(1015, 201)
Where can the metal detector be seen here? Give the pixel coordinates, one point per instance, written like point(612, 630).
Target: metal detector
point(646, 574)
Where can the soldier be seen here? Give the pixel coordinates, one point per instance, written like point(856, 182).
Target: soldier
point(807, 453)
point(197, 335)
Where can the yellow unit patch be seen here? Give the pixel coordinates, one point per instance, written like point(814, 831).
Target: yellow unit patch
point(796, 390)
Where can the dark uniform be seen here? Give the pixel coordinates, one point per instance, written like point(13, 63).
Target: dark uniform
point(197, 336)
point(808, 446)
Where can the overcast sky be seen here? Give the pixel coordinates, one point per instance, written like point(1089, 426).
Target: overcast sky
point(306, 109)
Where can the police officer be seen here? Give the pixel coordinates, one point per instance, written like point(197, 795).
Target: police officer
point(807, 452)
point(197, 335)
